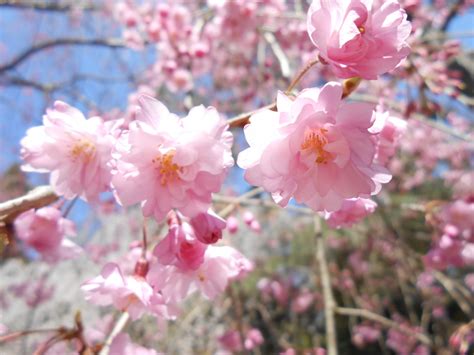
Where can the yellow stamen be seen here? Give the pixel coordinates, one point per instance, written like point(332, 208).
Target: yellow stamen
point(314, 142)
point(167, 169)
point(83, 148)
point(362, 29)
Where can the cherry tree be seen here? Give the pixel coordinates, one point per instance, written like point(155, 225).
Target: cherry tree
point(272, 176)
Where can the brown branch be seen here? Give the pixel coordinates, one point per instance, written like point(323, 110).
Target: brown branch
point(452, 14)
point(301, 74)
point(36, 198)
point(49, 6)
point(242, 119)
point(329, 302)
point(399, 108)
point(363, 313)
point(463, 302)
point(99, 42)
point(228, 209)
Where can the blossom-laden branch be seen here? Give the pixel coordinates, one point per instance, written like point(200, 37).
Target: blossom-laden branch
point(363, 313)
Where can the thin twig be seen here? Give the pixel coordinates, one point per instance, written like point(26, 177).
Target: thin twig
point(69, 208)
point(329, 302)
point(450, 287)
point(118, 327)
point(98, 42)
point(262, 202)
point(56, 6)
point(301, 74)
point(228, 209)
point(242, 119)
point(279, 54)
point(363, 313)
point(399, 108)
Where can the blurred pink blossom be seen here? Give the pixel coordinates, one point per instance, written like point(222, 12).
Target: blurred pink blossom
point(351, 211)
point(45, 230)
point(359, 38)
point(220, 265)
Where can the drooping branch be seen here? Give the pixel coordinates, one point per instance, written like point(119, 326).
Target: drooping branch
point(118, 327)
point(399, 108)
point(329, 302)
point(388, 323)
point(98, 42)
point(49, 6)
point(452, 14)
point(242, 119)
point(228, 209)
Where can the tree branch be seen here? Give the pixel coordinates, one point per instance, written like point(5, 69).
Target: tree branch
point(452, 14)
point(49, 6)
point(38, 197)
point(100, 42)
point(118, 327)
point(363, 313)
point(329, 302)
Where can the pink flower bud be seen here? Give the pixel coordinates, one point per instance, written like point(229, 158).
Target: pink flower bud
point(208, 227)
point(232, 225)
point(255, 226)
point(248, 217)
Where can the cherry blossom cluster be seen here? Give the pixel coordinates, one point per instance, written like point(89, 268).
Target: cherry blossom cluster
point(315, 147)
point(454, 245)
point(183, 262)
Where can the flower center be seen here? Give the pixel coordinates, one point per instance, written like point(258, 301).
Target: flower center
point(201, 277)
point(314, 142)
point(167, 169)
point(361, 29)
point(83, 148)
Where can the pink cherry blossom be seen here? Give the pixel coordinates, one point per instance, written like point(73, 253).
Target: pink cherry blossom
point(75, 150)
point(208, 227)
point(364, 334)
point(127, 293)
point(45, 230)
point(390, 134)
point(168, 162)
point(274, 289)
point(316, 149)
point(302, 301)
point(351, 211)
point(231, 341)
point(364, 38)
point(181, 248)
point(220, 265)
